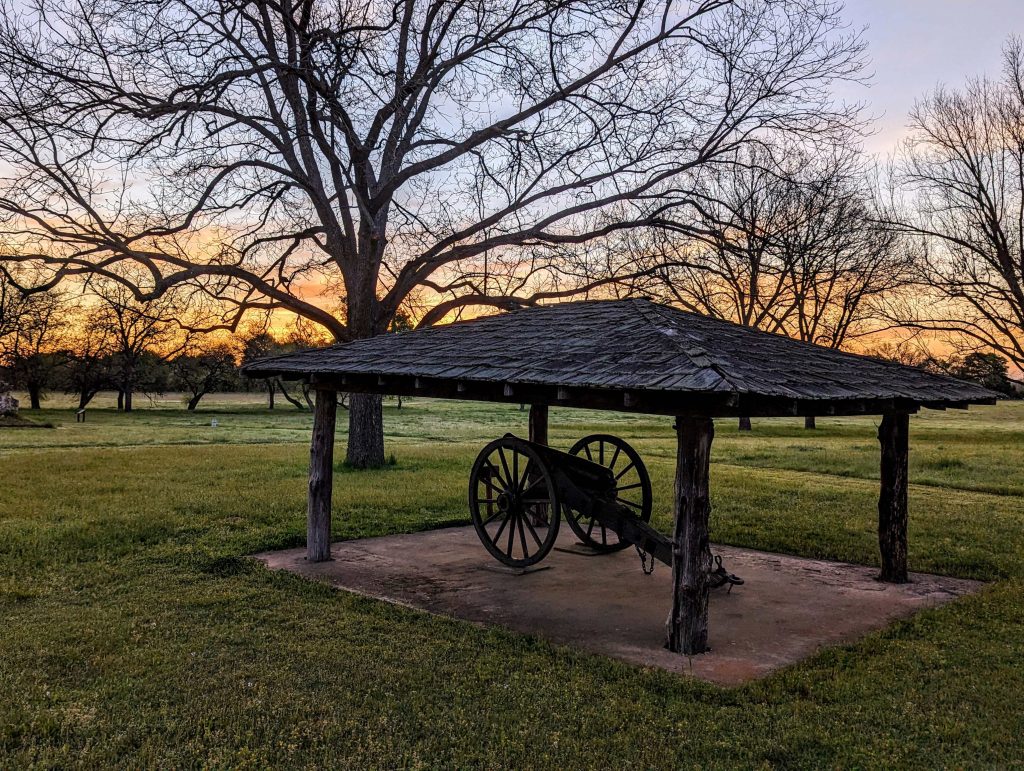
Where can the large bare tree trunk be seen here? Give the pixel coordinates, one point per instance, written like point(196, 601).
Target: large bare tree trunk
point(691, 548)
point(810, 422)
point(894, 436)
point(34, 397)
point(744, 424)
point(365, 431)
point(128, 399)
point(365, 411)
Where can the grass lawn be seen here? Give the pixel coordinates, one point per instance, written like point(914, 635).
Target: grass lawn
point(134, 633)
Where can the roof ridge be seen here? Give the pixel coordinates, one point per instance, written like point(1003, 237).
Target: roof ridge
point(840, 352)
point(643, 305)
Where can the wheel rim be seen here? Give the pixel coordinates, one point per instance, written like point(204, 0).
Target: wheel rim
point(513, 504)
point(633, 488)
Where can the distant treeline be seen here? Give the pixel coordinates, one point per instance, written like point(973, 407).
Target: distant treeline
point(107, 340)
point(134, 350)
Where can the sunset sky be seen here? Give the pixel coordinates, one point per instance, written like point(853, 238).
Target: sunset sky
point(915, 44)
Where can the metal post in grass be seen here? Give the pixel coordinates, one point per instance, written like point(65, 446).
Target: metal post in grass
point(893, 436)
point(321, 476)
point(691, 550)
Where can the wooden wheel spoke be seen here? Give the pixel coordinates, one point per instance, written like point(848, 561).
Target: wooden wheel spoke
point(537, 480)
point(615, 458)
point(491, 491)
point(623, 472)
point(522, 535)
point(511, 536)
point(610, 451)
point(521, 481)
point(491, 518)
point(504, 523)
point(504, 465)
point(496, 475)
point(533, 532)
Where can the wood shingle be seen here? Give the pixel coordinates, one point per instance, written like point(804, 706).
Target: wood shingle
point(592, 352)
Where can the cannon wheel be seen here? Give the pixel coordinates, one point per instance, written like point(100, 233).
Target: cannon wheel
point(514, 503)
point(633, 488)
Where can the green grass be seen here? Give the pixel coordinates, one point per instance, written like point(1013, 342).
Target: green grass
point(133, 632)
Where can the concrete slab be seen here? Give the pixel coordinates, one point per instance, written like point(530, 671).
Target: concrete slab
point(788, 608)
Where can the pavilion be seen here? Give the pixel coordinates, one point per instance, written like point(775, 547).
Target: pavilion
point(634, 356)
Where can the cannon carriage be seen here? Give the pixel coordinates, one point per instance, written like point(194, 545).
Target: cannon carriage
point(519, 491)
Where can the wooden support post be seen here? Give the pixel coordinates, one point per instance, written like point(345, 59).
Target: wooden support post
point(539, 423)
point(893, 435)
point(321, 477)
point(691, 550)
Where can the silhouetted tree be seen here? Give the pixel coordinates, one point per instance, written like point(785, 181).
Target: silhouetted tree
point(963, 166)
point(443, 150)
point(258, 343)
point(30, 351)
point(89, 365)
point(202, 371)
point(143, 335)
point(788, 244)
point(988, 369)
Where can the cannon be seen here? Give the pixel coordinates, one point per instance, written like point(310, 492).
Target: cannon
point(520, 490)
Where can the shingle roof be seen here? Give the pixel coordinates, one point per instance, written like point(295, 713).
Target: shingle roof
point(627, 346)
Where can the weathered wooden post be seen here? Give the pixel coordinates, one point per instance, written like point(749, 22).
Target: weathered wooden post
point(691, 550)
point(539, 434)
point(539, 423)
point(893, 435)
point(321, 477)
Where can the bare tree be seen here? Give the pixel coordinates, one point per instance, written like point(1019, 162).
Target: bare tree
point(142, 334)
point(210, 366)
point(89, 364)
point(843, 265)
point(721, 257)
point(963, 167)
point(258, 342)
point(413, 151)
point(838, 292)
point(30, 351)
point(786, 241)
